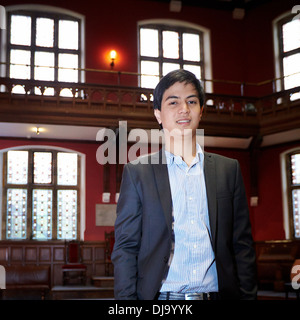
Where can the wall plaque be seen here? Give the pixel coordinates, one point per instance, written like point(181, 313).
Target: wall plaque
point(106, 214)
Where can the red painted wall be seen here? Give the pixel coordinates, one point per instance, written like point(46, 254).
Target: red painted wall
point(268, 215)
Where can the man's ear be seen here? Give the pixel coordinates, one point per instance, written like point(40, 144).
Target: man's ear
point(157, 115)
point(201, 111)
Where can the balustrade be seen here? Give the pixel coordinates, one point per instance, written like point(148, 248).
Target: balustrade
point(105, 105)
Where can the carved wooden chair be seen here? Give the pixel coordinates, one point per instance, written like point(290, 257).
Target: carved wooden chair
point(74, 271)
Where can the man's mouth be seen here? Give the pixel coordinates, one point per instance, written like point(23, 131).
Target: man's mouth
point(183, 121)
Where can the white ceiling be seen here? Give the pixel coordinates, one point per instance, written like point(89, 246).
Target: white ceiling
point(83, 133)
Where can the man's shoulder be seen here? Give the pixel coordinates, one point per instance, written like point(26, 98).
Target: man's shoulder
point(143, 166)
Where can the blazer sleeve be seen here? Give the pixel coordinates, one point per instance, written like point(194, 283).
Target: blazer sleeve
point(127, 238)
point(242, 240)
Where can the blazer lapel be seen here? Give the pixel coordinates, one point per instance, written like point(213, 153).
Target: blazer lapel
point(163, 185)
point(210, 182)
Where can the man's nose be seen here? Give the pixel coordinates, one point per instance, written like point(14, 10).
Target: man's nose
point(184, 108)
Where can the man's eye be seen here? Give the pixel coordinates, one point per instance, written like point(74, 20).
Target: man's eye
point(192, 102)
point(173, 102)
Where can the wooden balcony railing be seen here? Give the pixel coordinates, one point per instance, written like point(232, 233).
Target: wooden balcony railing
point(103, 105)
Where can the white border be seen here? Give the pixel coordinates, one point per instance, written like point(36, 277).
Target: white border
point(82, 182)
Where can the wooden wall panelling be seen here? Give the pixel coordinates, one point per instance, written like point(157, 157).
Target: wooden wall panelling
point(53, 254)
point(16, 254)
point(4, 255)
point(93, 258)
point(99, 266)
point(58, 254)
point(31, 256)
point(45, 254)
point(58, 260)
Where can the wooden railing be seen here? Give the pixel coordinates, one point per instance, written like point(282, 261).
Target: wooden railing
point(103, 105)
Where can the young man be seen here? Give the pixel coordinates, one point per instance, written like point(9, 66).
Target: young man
point(182, 229)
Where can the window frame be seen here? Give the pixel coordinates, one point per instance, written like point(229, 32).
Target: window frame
point(290, 189)
point(50, 12)
point(33, 48)
point(160, 59)
point(283, 54)
point(279, 54)
point(31, 185)
point(287, 204)
point(177, 25)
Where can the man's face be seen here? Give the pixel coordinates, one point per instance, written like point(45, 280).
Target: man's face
point(180, 108)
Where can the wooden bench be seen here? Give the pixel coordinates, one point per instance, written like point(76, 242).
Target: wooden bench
point(27, 278)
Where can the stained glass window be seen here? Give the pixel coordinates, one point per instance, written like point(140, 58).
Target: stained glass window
point(42, 167)
point(41, 194)
point(17, 167)
point(42, 214)
point(295, 166)
point(294, 187)
point(296, 213)
point(67, 214)
point(16, 214)
point(166, 48)
point(67, 169)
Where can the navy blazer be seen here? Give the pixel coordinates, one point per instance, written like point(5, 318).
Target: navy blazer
point(143, 228)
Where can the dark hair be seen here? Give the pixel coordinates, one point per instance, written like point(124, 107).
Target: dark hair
point(171, 78)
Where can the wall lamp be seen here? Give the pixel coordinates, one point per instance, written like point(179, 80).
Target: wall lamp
point(113, 55)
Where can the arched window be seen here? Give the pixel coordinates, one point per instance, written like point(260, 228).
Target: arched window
point(43, 43)
point(287, 52)
point(168, 45)
point(290, 162)
point(41, 194)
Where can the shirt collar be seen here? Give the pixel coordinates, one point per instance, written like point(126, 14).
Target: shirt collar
point(171, 158)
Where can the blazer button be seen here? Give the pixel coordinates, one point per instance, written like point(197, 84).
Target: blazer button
point(166, 259)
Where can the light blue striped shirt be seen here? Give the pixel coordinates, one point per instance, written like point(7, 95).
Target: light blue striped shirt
point(192, 264)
